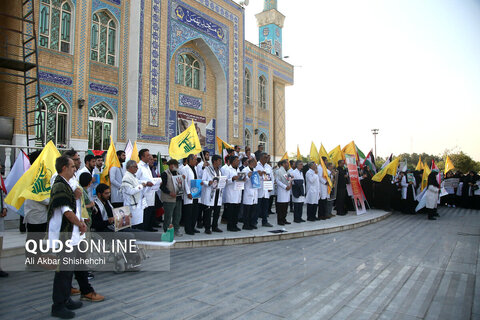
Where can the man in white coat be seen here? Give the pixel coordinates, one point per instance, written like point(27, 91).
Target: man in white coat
point(313, 191)
point(133, 194)
point(298, 192)
point(204, 164)
point(116, 176)
point(322, 202)
point(190, 205)
point(250, 197)
point(144, 174)
point(212, 195)
point(263, 195)
point(283, 193)
point(232, 196)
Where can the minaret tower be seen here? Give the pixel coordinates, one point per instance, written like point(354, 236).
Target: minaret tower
point(270, 23)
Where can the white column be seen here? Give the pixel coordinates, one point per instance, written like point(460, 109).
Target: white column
point(8, 163)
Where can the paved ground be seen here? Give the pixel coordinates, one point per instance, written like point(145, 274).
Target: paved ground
point(404, 267)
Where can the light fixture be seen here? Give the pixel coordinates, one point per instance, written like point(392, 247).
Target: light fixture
point(81, 103)
point(256, 131)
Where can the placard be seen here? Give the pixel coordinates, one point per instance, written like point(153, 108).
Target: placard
point(178, 184)
point(357, 192)
point(196, 188)
point(451, 183)
point(255, 179)
point(122, 218)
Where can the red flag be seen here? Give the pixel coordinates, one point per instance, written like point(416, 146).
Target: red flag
point(2, 185)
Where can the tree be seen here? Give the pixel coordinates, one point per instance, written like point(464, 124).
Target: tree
point(464, 163)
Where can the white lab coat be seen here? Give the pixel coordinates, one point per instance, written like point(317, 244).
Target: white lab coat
point(261, 192)
point(323, 184)
point(116, 176)
point(144, 174)
point(431, 197)
point(283, 195)
point(313, 187)
point(208, 193)
point(250, 195)
point(404, 185)
point(230, 194)
point(297, 175)
point(133, 195)
point(189, 176)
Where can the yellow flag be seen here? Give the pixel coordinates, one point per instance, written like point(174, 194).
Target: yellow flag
point(285, 157)
point(185, 143)
point(350, 149)
point(426, 172)
point(325, 175)
point(448, 165)
point(314, 154)
point(322, 152)
point(419, 166)
point(111, 160)
point(135, 153)
point(222, 145)
point(299, 156)
point(35, 183)
point(390, 169)
point(335, 155)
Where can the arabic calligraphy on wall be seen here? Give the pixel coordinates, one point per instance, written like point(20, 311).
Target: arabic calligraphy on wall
point(198, 22)
point(190, 102)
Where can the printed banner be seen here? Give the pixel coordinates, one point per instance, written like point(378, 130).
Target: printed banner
point(358, 199)
point(184, 120)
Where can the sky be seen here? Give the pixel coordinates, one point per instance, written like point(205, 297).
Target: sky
point(410, 68)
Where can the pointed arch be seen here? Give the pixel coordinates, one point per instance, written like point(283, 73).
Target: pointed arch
point(101, 125)
point(104, 37)
point(52, 119)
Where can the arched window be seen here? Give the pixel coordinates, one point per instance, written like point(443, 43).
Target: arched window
point(262, 139)
point(248, 87)
point(248, 138)
point(100, 123)
point(52, 119)
point(262, 92)
point(188, 70)
point(55, 25)
point(103, 41)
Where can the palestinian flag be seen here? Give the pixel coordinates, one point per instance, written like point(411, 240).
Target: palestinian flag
point(160, 168)
point(222, 148)
point(369, 161)
point(387, 161)
point(360, 156)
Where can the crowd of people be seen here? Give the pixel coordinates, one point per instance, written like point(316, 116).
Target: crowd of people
point(251, 185)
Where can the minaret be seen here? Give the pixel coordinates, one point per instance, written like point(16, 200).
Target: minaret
point(270, 23)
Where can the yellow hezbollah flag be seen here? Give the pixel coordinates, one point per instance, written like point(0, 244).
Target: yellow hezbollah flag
point(322, 152)
point(390, 169)
point(111, 160)
point(135, 153)
point(426, 172)
point(222, 145)
point(314, 154)
point(448, 165)
point(35, 183)
point(185, 143)
point(419, 166)
point(335, 155)
point(285, 157)
point(325, 175)
point(350, 149)
point(299, 156)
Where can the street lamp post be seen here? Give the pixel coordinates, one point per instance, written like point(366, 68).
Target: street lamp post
point(375, 132)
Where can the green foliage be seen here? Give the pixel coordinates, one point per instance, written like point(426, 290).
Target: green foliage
point(464, 163)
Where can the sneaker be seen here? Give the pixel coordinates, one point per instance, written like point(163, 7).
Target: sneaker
point(62, 313)
point(3, 274)
point(74, 292)
point(90, 276)
point(92, 297)
point(453, 206)
point(178, 234)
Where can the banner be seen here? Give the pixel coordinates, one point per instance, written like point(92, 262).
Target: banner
point(184, 120)
point(358, 198)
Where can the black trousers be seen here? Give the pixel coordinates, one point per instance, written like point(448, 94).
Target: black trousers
point(62, 282)
point(201, 211)
point(207, 217)
point(148, 218)
point(297, 211)
point(340, 201)
point(231, 211)
point(270, 204)
point(190, 212)
point(322, 208)
point(311, 211)
point(248, 212)
point(282, 210)
point(35, 232)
